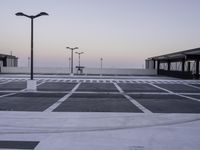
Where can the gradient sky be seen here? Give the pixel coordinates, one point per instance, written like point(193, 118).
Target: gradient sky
point(123, 32)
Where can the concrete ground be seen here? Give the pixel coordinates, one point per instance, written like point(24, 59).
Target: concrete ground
point(119, 113)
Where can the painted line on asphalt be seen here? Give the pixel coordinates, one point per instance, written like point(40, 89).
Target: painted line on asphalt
point(60, 101)
point(160, 93)
point(137, 104)
point(118, 88)
point(24, 91)
point(15, 92)
point(5, 82)
point(178, 94)
point(90, 92)
point(196, 87)
point(90, 80)
point(9, 94)
point(41, 83)
point(149, 93)
point(98, 92)
point(158, 87)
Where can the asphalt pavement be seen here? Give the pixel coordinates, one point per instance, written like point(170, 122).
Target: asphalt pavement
point(101, 95)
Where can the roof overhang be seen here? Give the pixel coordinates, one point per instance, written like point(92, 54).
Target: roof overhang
point(192, 54)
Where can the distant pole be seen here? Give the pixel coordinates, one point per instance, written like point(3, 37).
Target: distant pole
point(101, 62)
point(72, 49)
point(79, 58)
point(11, 58)
point(29, 62)
point(69, 63)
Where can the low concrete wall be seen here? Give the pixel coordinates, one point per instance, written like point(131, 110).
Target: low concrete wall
point(105, 71)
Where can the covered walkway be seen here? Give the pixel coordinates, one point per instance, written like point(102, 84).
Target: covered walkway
point(183, 64)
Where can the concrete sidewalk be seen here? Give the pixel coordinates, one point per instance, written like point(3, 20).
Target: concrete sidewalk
point(102, 131)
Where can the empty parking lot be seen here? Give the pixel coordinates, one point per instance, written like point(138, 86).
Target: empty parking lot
point(101, 95)
point(75, 111)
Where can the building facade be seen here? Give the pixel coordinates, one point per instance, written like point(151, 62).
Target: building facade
point(8, 61)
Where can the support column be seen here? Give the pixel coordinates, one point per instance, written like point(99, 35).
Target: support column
point(158, 67)
point(168, 65)
point(183, 66)
point(154, 64)
point(5, 62)
point(197, 69)
point(188, 66)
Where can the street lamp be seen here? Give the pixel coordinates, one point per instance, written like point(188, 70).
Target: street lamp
point(79, 62)
point(72, 49)
point(31, 17)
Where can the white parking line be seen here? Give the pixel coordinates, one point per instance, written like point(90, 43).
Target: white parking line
point(178, 94)
point(160, 88)
point(9, 94)
point(60, 101)
point(142, 108)
point(196, 87)
point(41, 83)
point(5, 82)
point(15, 92)
point(118, 88)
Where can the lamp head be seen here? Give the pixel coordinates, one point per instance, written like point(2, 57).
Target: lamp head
point(43, 14)
point(72, 48)
point(20, 14)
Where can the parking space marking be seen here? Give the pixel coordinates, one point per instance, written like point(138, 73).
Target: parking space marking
point(178, 94)
point(15, 92)
point(41, 83)
point(91, 92)
point(118, 88)
point(142, 108)
point(9, 94)
point(160, 88)
point(60, 101)
point(5, 82)
point(105, 80)
point(147, 93)
point(196, 87)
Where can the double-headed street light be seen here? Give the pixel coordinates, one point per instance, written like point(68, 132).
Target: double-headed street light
point(72, 49)
point(31, 17)
point(79, 58)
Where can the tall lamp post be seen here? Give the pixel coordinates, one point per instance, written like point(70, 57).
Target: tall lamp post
point(79, 58)
point(72, 49)
point(32, 18)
